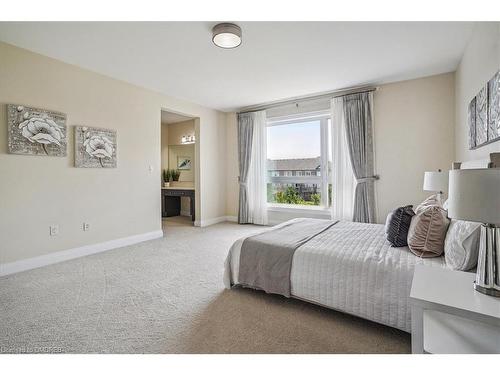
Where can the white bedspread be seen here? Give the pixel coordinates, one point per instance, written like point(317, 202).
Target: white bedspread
point(352, 268)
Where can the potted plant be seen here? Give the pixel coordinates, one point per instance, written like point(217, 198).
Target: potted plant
point(175, 173)
point(167, 177)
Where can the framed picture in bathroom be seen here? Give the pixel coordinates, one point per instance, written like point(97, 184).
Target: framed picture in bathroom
point(184, 163)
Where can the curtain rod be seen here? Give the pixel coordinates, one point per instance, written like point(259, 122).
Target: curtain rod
point(296, 100)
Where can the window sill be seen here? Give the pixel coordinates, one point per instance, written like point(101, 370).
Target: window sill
point(296, 208)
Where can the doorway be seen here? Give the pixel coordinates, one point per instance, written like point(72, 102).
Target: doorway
point(178, 169)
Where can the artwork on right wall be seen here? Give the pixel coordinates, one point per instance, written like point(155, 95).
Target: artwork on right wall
point(484, 114)
point(494, 107)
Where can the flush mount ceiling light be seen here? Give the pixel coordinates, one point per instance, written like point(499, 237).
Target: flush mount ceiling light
point(226, 35)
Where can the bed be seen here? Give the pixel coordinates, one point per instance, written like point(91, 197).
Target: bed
point(351, 267)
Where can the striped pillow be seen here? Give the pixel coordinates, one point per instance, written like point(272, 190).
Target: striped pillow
point(399, 224)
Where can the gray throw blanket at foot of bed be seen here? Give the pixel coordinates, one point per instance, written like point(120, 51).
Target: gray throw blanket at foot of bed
point(266, 259)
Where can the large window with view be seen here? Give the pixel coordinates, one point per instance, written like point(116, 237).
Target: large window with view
point(297, 161)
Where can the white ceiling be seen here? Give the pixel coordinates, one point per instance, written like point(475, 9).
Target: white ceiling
point(172, 118)
point(276, 60)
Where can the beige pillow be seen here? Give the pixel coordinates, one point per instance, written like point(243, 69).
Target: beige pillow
point(428, 232)
point(433, 200)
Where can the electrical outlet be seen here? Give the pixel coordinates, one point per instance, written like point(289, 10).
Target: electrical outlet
point(54, 230)
point(86, 226)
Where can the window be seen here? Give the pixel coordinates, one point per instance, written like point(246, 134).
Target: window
point(297, 153)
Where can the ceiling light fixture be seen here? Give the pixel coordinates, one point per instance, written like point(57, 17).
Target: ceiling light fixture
point(226, 35)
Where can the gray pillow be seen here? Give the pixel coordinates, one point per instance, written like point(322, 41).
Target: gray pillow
point(461, 247)
point(399, 224)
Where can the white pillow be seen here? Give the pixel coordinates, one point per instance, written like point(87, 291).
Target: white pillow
point(445, 205)
point(388, 221)
point(461, 246)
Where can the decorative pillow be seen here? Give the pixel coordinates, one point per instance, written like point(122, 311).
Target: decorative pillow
point(445, 205)
point(399, 223)
point(433, 200)
point(428, 232)
point(461, 247)
point(388, 221)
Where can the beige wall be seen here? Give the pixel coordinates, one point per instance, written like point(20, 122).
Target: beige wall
point(177, 130)
point(481, 60)
point(414, 132)
point(232, 185)
point(213, 167)
point(39, 191)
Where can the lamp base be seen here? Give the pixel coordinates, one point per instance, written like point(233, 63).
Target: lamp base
point(488, 291)
point(488, 262)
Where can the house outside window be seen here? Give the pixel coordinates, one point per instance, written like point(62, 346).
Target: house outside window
point(297, 150)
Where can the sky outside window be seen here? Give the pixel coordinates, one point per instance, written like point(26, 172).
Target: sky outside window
point(294, 141)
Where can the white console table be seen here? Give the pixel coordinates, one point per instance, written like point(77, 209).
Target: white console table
point(449, 316)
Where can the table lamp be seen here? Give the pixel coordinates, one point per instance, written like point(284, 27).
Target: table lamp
point(474, 195)
point(437, 182)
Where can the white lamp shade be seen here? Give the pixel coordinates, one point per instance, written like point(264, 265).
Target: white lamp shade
point(436, 181)
point(474, 195)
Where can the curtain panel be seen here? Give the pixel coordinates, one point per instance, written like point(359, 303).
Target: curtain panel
point(245, 139)
point(343, 180)
point(359, 131)
point(257, 174)
point(252, 164)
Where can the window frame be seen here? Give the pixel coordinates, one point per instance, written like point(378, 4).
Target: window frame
point(323, 117)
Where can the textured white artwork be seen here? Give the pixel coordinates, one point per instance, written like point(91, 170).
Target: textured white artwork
point(494, 107)
point(482, 116)
point(471, 116)
point(34, 131)
point(95, 147)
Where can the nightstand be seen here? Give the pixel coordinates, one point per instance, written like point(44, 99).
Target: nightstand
point(449, 316)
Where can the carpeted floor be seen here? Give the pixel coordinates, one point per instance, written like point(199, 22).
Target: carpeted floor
point(167, 296)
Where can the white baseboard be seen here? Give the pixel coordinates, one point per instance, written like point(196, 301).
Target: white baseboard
point(215, 220)
point(77, 252)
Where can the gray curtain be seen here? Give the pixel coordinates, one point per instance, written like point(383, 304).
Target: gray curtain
point(245, 135)
point(358, 122)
